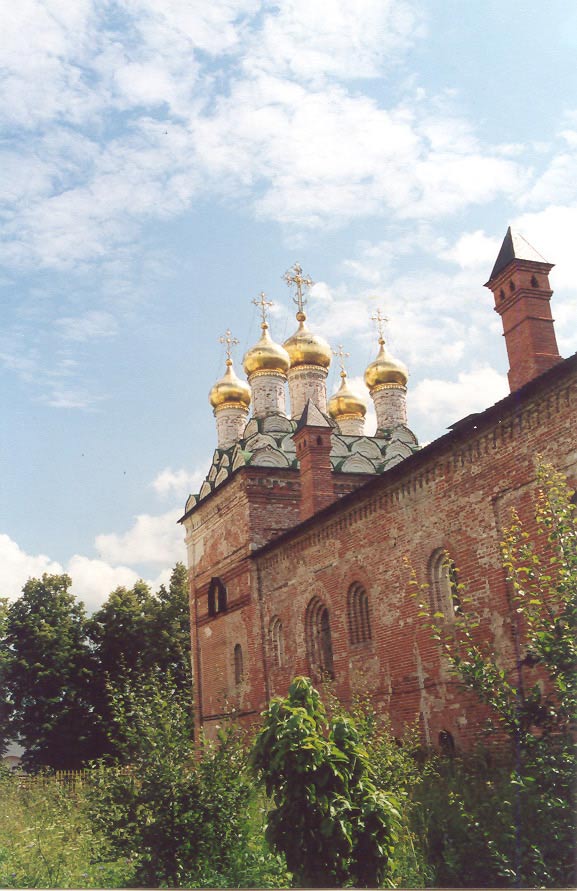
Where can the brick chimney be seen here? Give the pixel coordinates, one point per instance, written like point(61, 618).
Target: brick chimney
point(520, 285)
point(313, 441)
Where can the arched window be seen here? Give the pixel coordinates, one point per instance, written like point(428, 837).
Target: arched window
point(238, 665)
point(444, 585)
point(277, 642)
point(358, 614)
point(216, 597)
point(446, 742)
point(318, 638)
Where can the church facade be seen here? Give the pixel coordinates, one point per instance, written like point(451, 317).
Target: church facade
point(300, 538)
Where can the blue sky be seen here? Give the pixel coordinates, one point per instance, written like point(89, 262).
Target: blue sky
point(166, 160)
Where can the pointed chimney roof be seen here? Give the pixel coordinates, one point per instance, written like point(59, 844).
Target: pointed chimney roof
point(312, 416)
point(515, 247)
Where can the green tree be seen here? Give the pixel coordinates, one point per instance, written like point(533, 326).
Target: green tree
point(169, 647)
point(4, 707)
point(180, 819)
point(136, 634)
point(524, 825)
point(122, 628)
point(329, 819)
point(47, 675)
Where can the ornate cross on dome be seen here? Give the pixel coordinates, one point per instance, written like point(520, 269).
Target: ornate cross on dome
point(263, 307)
point(230, 342)
point(341, 356)
point(294, 276)
point(380, 320)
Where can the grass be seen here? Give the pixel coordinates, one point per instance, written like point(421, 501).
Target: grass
point(46, 840)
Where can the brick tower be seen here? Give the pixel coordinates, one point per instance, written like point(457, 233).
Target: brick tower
point(520, 285)
point(312, 439)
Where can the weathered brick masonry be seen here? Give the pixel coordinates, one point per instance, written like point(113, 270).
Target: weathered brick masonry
point(283, 585)
point(456, 494)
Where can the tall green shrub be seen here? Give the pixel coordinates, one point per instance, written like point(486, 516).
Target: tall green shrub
point(182, 820)
point(329, 819)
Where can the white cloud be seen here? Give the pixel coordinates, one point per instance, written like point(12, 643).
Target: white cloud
point(16, 567)
point(93, 580)
point(71, 397)
point(558, 183)
point(178, 482)
point(473, 391)
point(311, 41)
point(152, 539)
point(474, 250)
point(312, 151)
point(88, 326)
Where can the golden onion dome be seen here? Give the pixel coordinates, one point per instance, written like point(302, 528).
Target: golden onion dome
point(230, 391)
point(266, 355)
point(346, 404)
point(306, 348)
point(385, 370)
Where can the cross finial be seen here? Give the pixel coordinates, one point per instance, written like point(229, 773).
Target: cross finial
point(263, 303)
point(380, 319)
point(341, 356)
point(294, 276)
point(230, 342)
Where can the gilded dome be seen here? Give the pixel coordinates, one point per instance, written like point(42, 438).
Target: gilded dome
point(346, 404)
point(266, 355)
point(385, 370)
point(230, 390)
point(306, 348)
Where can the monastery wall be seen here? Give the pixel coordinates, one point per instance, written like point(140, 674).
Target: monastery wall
point(252, 507)
point(456, 494)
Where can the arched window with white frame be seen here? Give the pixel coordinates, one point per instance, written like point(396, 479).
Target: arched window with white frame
point(276, 642)
point(318, 639)
point(444, 586)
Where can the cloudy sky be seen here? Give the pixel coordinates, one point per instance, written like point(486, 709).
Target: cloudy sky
point(163, 161)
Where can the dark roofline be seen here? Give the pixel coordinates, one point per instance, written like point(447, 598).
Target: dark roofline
point(458, 431)
point(515, 247)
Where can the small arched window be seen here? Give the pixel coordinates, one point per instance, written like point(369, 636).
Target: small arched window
point(444, 586)
point(238, 665)
point(446, 743)
point(217, 599)
point(358, 614)
point(318, 638)
point(276, 642)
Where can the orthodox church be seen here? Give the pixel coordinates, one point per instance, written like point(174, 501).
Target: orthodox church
point(299, 538)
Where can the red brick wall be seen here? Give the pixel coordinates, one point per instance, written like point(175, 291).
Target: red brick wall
point(456, 494)
point(254, 506)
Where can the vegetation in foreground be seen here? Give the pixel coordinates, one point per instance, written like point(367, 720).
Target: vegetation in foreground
point(348, 803)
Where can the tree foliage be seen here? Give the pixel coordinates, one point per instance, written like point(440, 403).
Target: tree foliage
point(329, 819)
point(47, 672)
point(182, 819)
point(57, 666)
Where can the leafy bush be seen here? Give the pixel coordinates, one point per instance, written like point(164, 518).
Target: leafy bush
point(183, 820)
point(329, 819)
